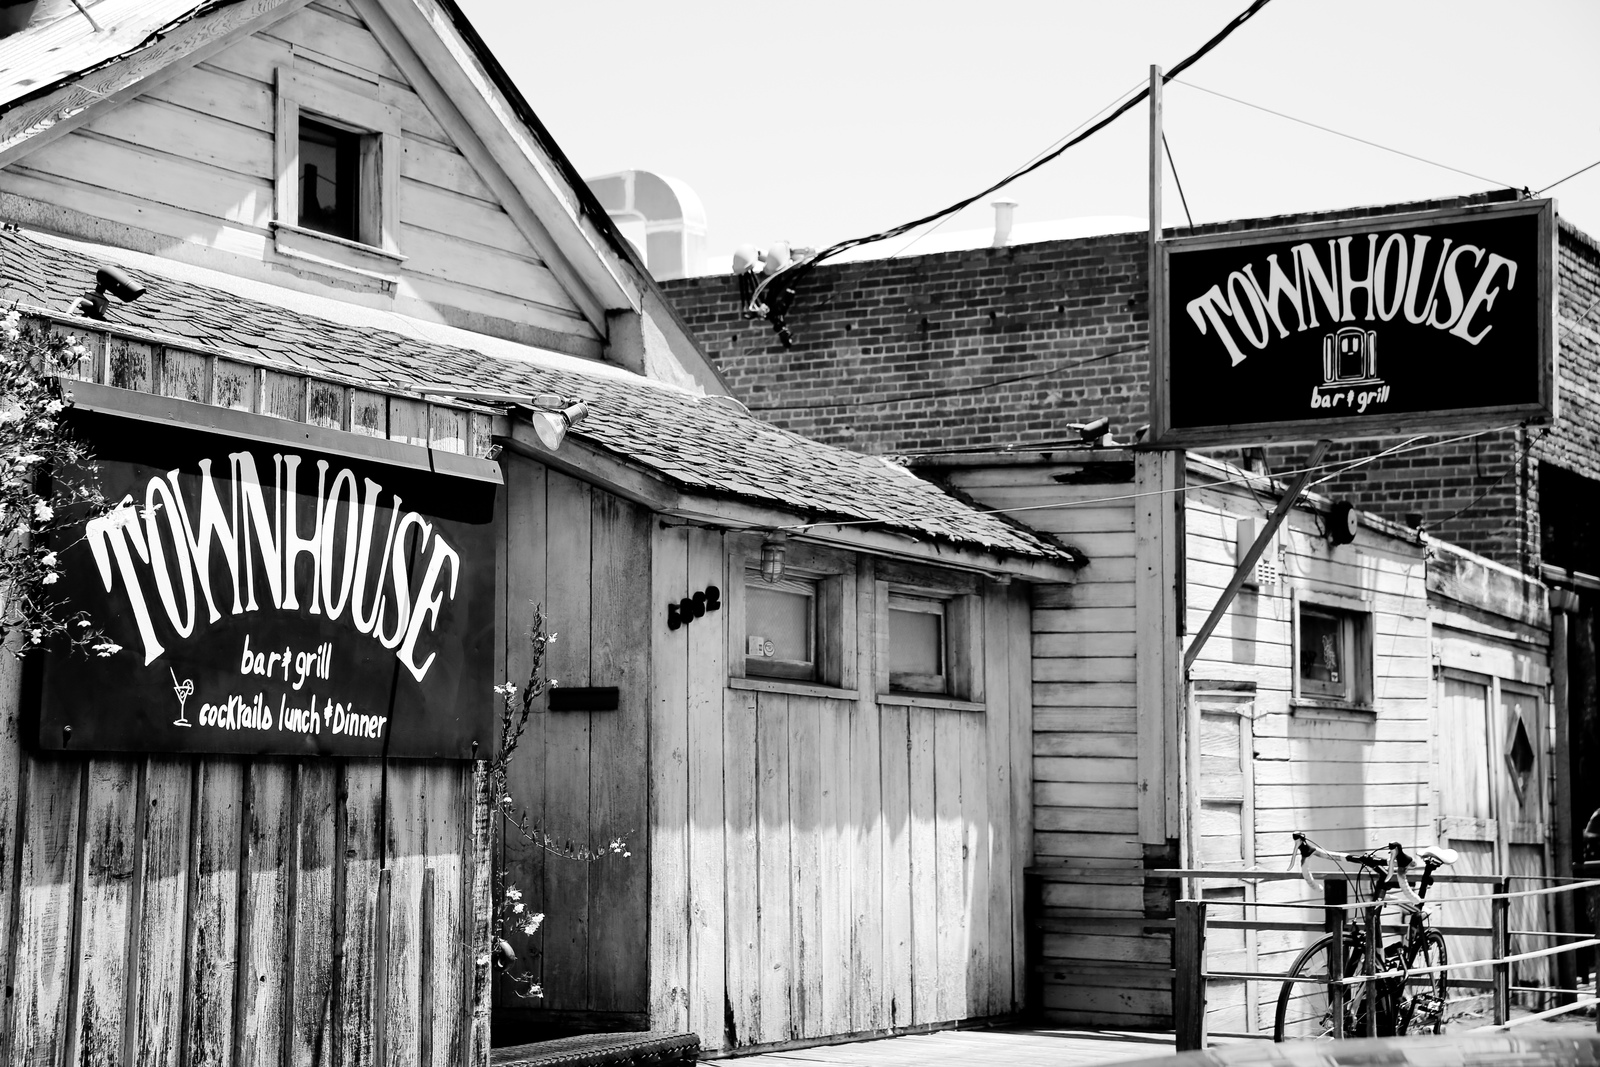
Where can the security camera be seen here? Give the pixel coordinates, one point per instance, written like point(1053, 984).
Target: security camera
point(114, 280)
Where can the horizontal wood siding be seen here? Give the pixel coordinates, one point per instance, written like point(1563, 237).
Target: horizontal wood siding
point(828, 866)
point(1085, 751)
point(192, 160)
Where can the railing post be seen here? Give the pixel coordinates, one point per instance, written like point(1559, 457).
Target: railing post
point(1499, 948)
point(1374, 964)
point(1336, 891)
point(1188, 982)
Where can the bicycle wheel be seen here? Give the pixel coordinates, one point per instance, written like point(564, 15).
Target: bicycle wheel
point(1422, 1001)
point(1304, 1009)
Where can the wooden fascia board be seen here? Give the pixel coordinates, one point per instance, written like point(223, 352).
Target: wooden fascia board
point(36, 123)
point(432, 35)
point(443, 107)
point(654, 492)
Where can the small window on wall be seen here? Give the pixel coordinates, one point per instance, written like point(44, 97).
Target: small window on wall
point(918, 649)
point(781, 628)
point(330, 178)
point(1333, 651)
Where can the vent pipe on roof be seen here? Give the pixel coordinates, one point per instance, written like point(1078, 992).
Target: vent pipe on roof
point(1003, 212)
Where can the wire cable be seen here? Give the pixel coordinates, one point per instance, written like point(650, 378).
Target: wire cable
point(1184, 200)
point(1353, 137)
point(1568, 178)
point(1492, 486)
point(797, 270)
point(962, 390)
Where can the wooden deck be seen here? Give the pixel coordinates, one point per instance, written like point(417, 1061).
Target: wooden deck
point(974, 1048)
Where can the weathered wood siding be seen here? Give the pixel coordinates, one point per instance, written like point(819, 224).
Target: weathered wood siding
point(584, 555)
point(827, 865)
point(1095, 963)
point(191, 160)
point(188, 910)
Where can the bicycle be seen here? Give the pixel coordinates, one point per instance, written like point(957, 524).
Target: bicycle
point(1403, 1003)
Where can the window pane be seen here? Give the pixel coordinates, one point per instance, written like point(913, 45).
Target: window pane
point(916, 645)
point(782, 617)
point(330, 172)
point(1322, 666)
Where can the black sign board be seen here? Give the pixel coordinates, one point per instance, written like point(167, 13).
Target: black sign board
point(1363, 328)
point(272, 599)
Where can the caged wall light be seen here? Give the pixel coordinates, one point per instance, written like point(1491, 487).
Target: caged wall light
point(774, 551)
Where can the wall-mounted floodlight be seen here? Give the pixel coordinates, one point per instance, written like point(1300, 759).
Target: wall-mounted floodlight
point(114, 280)
point(553, 416)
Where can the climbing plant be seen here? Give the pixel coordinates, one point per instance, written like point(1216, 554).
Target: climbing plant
point(44, 490)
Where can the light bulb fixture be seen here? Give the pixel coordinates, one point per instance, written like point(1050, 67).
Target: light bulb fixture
point(774, 550)
point(119, 283)
point(1343, 522)
point(553, 416)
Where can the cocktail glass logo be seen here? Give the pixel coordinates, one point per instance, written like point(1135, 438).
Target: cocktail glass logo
point(183, 690)
point(1350, 371)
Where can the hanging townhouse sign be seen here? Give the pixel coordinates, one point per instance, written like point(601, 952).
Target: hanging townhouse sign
point(271, 598)
point(1363, 328)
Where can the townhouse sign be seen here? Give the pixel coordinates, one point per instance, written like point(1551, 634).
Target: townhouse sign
point(269, 598)
point(1364, 328)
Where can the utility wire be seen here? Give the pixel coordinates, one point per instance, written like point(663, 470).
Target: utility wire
point(1353, 137)
point(1568, 178)
point(1245, 478)
point(797, 270)
point(1492, 486)
point(1058, 365)
point(1184, 200)
point(1047, 148)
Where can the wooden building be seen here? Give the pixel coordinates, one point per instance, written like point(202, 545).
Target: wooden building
point(1417, 713)
point(356, 242)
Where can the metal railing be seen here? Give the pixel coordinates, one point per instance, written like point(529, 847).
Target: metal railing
point(1191, 921)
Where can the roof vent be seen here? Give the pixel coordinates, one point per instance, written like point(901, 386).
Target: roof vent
point(1003, 211)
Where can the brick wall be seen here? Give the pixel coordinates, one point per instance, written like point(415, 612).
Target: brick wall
point(1039, 336)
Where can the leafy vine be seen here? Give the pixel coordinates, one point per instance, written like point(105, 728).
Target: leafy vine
point(44, 489)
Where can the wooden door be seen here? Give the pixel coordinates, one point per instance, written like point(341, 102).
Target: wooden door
point(1521, 777)
point(1467, 806)
point(1223, 835)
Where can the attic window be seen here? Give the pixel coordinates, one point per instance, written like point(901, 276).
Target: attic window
point(330, 178)
point(336, 187)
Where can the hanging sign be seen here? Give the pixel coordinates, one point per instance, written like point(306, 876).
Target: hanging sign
point(271, 599)
point(1364, 328)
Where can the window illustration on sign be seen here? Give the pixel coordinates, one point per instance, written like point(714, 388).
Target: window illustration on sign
point(269, 599)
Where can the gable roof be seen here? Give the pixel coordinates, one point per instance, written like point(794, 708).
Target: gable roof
point(706, 446)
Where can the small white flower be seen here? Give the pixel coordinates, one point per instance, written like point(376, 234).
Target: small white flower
point(482, 960)
point(48, 559)
point(107, 648)
point(518, 908)
point(513, 894)
point(43, 512)
point(52, 578)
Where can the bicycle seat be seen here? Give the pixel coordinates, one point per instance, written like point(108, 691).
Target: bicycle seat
point(1443, 857)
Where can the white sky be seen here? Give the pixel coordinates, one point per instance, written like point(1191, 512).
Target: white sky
point(822, 120)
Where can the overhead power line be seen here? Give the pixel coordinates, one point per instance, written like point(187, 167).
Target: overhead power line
point(1351, 136)
point(1568, 178)
point(792, 274)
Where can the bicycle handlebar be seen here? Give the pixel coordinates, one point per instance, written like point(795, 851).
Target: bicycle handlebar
point(1395, 865)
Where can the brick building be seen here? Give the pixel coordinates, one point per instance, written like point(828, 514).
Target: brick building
point(1004, 347)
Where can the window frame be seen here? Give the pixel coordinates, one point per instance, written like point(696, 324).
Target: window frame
point(375, 257)
point(938, 683)
point(963, 635)
point(1356, 632)
point(833, 618)
point(807, 670)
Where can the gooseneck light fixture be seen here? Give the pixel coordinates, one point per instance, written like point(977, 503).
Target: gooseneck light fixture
point(114, 280)
point(774, 551)
point(553, 416)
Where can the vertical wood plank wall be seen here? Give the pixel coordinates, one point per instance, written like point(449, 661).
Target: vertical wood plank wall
point(197, 911)
point(191, 161)
point(824, 866)
point(585, 556)
point(1095, 963)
